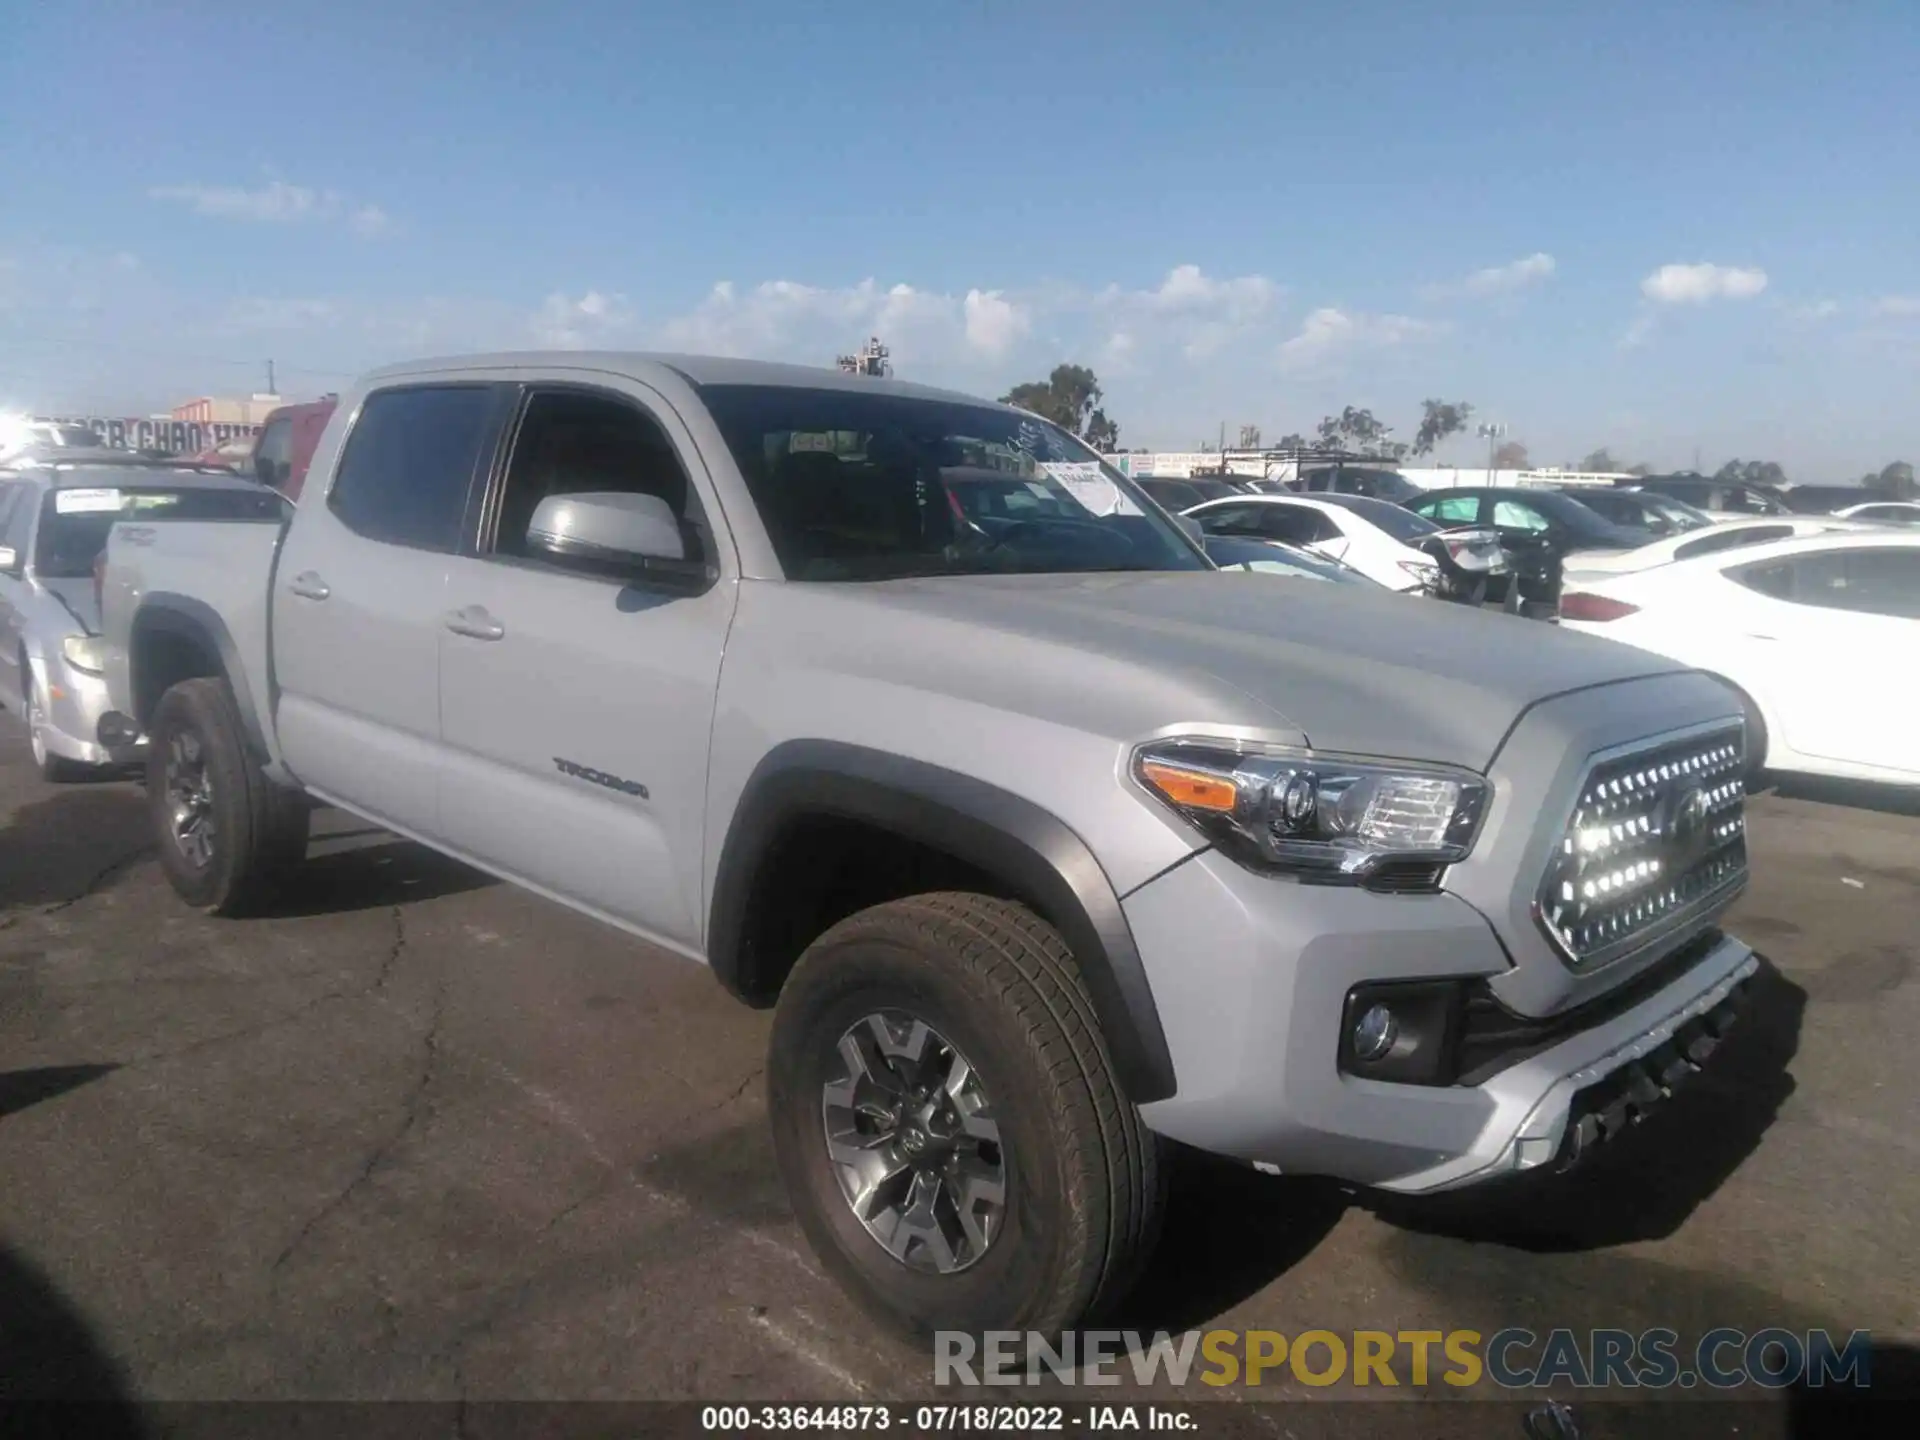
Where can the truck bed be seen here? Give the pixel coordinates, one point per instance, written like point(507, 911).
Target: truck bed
point(218, 571)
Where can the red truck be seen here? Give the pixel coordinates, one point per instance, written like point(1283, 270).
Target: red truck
point(286, 444)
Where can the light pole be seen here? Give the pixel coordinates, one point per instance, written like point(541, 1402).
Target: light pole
point(1493, 434)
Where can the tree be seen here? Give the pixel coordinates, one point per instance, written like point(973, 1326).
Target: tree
point(1070, 397)
point(1438, 420)
point(1511, 456)
point(1896, 481)
point(1356, 430)
point(1293, 441)
point(1601, 459)
point(1751, 472)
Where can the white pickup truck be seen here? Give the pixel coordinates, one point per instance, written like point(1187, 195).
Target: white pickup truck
point(1050, 840)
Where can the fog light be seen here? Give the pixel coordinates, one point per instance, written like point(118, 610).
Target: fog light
point(1373, 1037)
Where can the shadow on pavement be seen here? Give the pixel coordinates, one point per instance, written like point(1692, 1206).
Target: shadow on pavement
point(372, 877)
point(49, 1353)
point(1644, 1184)
point(70, 844)
point(1230, 1232)
point(20, 1089)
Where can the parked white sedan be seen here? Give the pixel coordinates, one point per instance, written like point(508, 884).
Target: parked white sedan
point(1885, 512)
point(1726, 535)
point(1351, 529)
point(1820, 635)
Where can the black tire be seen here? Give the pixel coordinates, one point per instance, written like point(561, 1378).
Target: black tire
point(258, 829)
point(1085, 1179)
point(1756, 772)
point(52, 768)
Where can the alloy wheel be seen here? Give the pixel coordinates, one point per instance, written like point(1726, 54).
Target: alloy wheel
point(190, 799)
point(914, 1144)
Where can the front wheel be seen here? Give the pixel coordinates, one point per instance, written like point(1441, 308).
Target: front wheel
point(225, 833)
point(948, 1125)
point(53, 768)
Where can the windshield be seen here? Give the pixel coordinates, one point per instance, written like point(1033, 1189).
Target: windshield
point(75, 522)
point(1570, 513)
point(857, 486)
point(1402, 524)
point(1683, 515)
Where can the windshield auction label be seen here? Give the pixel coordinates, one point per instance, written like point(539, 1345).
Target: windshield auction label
point(1088, 483)
point(85, 502)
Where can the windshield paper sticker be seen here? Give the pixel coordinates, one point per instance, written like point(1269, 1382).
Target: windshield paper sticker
point(1088, 484)
point(85, 502)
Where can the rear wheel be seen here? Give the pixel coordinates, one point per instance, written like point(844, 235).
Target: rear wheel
point(225, 833)
point(948, 1125)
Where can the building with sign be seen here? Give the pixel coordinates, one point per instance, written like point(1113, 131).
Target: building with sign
point(208, 410)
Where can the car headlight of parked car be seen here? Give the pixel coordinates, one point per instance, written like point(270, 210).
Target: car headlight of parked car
point(1322, 817)
point(85, 653)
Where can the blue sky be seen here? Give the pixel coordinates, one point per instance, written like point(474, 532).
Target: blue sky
point(1661, 228)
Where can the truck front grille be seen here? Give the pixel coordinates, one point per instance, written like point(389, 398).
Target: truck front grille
point(1657, 838)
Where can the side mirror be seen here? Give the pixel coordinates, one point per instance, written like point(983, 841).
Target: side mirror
point(9, 560)
point(612, 533)
point(1192, 527)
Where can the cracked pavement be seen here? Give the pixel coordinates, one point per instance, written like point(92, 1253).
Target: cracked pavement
point(420, 1135)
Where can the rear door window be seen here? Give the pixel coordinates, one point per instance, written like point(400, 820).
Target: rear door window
point(1867, 582)
point(1296, 525)
point(1232, 519)
point(409, 466)
point(1451, 509)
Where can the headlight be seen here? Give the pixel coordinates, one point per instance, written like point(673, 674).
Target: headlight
point(86, 653)
point(1324, 817)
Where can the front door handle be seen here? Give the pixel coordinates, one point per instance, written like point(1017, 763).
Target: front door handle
point(476, 624)
point(309, 586)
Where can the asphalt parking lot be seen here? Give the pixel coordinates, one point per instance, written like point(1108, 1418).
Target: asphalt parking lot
point(422, 1135)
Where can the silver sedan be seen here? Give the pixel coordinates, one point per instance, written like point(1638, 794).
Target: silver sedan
point(54, 519)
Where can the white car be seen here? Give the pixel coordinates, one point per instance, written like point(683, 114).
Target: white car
point(1727, 535)
point(1818, 634)
point(1884, 512)
point(1372, 536)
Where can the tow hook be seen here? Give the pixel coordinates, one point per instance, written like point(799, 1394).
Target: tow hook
point(1552, 1421)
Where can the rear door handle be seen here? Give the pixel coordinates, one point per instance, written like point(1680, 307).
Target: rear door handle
point(476, 624)
point(309, 586)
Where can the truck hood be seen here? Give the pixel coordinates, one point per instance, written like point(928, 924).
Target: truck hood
point(1343, 667)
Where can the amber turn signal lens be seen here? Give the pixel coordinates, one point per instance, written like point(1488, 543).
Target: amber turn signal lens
point(1190, 788)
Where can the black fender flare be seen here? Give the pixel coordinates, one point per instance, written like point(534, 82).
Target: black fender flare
point(1040, 860)
point(189, 619)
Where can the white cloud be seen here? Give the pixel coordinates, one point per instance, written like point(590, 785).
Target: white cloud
point(1897, 306)
point(1696, 284)
point(788, 320)
point(1534, 269)
point(1329, 332)
point(564, 323)
point(1189, 311)
point(259, 313)
point(994, 322)
point(1639, 332)
point(1815, 311)
point(276, 203)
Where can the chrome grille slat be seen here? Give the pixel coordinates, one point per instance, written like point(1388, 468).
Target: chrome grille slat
point(1657, 836)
